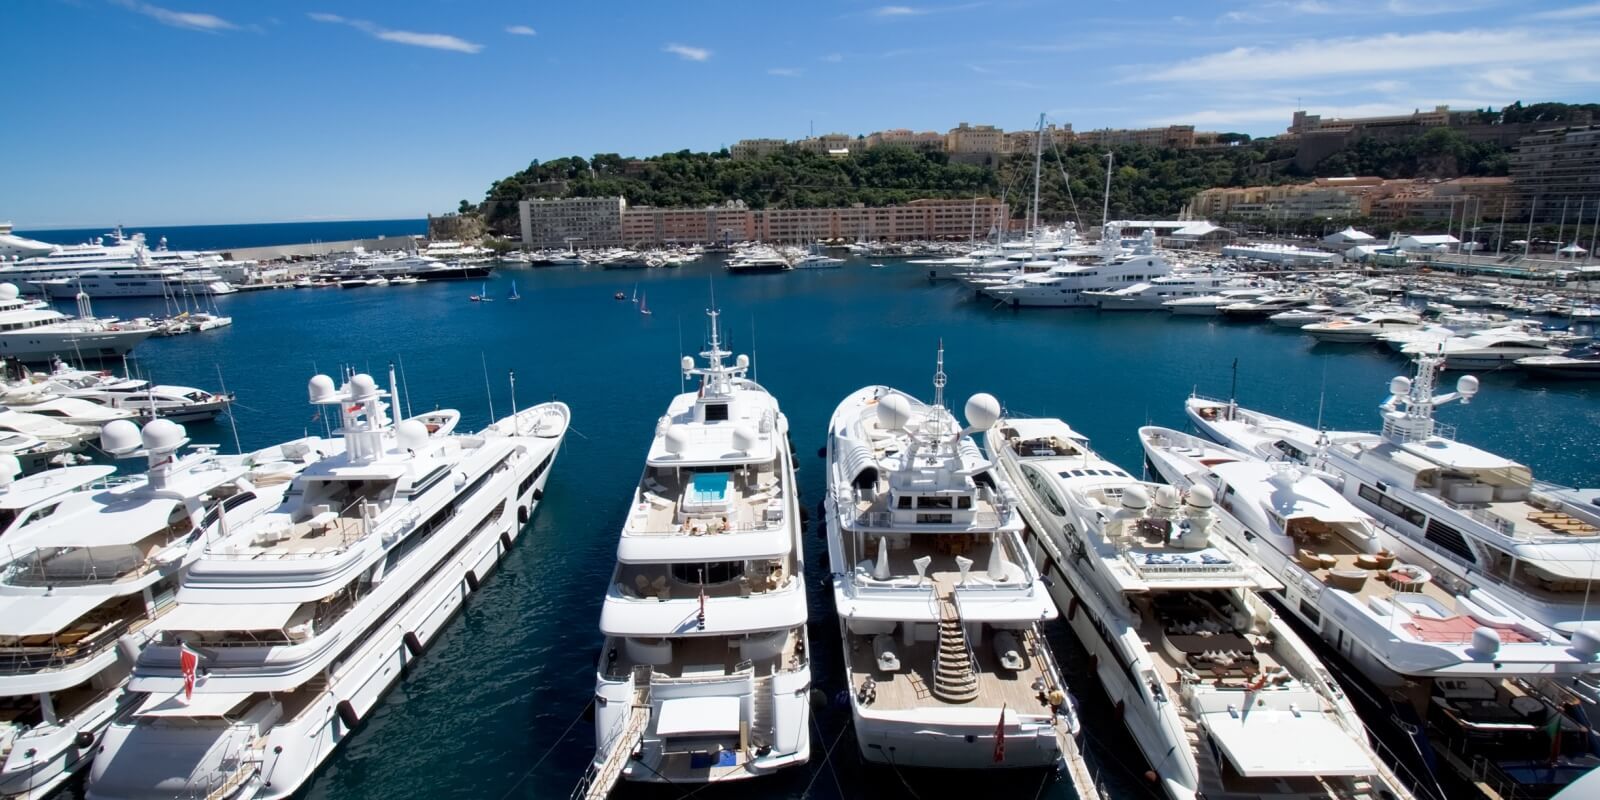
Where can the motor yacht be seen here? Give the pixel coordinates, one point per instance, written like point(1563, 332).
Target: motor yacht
point(1578, 363)
point(1064, 285)
point(1491, 349)
point(1152, 295)
point(90, 566)
point(1221, 695)
point(31, 332)
point(1363, 327)
point(1210, 305)
point(704, 673)
point(1262, 307)
point(939, 602)
point(293, 622)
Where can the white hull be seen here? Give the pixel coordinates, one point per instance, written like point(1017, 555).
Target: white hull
point(135, 287)
point(58, 755)
point(37, 344)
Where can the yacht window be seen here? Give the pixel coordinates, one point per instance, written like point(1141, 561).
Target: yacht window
point(935, 519)
point(964, 502)
point(904, 501)
point(7, 516)
point(39, 514)
point(711, 573)
point(716, 412)
point(935, 502)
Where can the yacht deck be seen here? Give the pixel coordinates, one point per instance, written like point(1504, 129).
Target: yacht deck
point(911, 686)
point(703, 503)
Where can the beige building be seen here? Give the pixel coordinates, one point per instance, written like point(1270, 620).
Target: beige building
point(833, 144)
point(1023, 141)
point(642, 226)
point(1303, 123)
point(572, 222)
point(902, 137)
point(978, 144)
point(1338, 198)
point(1181, 137)
point(756, 148)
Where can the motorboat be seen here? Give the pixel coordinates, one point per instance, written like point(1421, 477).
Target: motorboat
point(1362, 327)
point(1152, 295)
point(293, 622)
point(938, 599)
point(705, 670)
point(1578, 363)
point(1492, 349)
point(1210, 305)
point(1065, 284)
point(1218, 691)
point(1263, 307)
point(33, 332)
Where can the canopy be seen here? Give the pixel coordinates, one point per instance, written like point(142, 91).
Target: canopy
point(1268, 743)
point(42, 614)
point(855, 457)
point(202, 704)
point(228, 617)
point(101, 523)
point(683, 716)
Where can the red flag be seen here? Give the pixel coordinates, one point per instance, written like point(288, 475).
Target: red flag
point(1000, 737)
point(354, 409)
point(189, 660)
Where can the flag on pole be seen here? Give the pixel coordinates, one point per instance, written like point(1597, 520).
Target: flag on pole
point(189, 660)
point(1000, 737)
point(700, 619)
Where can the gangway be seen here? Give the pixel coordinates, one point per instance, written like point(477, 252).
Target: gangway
point(598, 781)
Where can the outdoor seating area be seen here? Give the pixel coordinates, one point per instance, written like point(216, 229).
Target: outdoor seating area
point(1560, 522)
point(706, 503)
point(1196, 635)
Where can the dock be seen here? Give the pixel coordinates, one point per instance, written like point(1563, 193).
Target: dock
point(598, 782)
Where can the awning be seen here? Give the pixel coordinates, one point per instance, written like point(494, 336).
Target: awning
point(684, 716)
point(855, 457)
point(228, 617)
point(108, 521)
point(1255, 744)
point(39, 614)
point(202, 704)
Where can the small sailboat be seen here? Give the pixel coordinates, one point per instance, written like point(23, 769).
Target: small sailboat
point(876, 266)
point(644, 308)
point(514, 295)
point(635, 297)
point(482, 296)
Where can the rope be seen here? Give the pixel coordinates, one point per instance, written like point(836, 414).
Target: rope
point(828, 754)
point(552, 749)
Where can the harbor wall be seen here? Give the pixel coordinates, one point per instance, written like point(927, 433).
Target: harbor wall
point(314, 249)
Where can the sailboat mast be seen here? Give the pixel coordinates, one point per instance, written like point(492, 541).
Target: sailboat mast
point(1105, 204)
point(1038, 155)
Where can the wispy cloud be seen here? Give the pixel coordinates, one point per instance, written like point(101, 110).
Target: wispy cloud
point(1575, 12)
point(686, 52)
point(786, 72)
point(896, 12)
point(521, 30)
point(1384, 53)
point(191, 20)
point(433, 41)
point(1423, 8)
point(833, 58)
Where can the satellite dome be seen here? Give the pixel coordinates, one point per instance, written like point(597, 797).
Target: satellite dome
point(1400, 385)
point(894, 411)
point(744, 439)
point(320, 388)
point(1485, 640)
point(983, 410)
point(363, 387)
point(163, 434)
point(413, 434)
point(1202, 497)
point(10, 468)
point(1135, 498)
point(1586, 641)
point(677, 440)
point(8, 291)
point(1467, 385)
point(688, 363)
point(742, 361)
point(1167, 497)
point(119, 437)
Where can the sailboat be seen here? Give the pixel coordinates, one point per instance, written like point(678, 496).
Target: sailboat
point(635, 297)
point(643, 307)
point(483, 295)
point(514, 295)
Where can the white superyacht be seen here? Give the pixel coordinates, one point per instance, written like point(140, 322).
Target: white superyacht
point(1223, 698)
point(1066, 284)
point(705, 673)
point(939, 603)
point(32, 331)
point(293, 623)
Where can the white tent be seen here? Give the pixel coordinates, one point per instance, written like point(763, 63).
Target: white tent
point(1349, 236)
point(1432, 243)
point(1572, 251)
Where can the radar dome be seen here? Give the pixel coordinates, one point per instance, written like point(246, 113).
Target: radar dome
point(1202, 497)
point(894, 411)
point(742, 361)
point(1486, 640)
point(1167, 497)
point(1586, 642)
point(983, 410)
point(1135, 498)
point(320, 388)
point(1467, 385)
point(119, 437)
point(1400, 385)
point(163, 434)
point(677, 440)
point(10, 468)
point(8, 291)
point(688, 363)
point(744, 439)
point(413, 434)
point(363, 387)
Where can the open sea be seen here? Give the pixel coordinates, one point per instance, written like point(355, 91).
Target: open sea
point(495, 709)
point(221, 237)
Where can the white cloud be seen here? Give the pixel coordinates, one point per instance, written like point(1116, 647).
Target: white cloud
point(433, 41)
point(1385, 53)
point(786, 72)
point(1241, 17)
point(687, 53)
point(521, 30)
point(190, 20)
point(1423, 8)
point(1575, 12)
point(897, 11)
point(1510, 79)
point(892, 12)
point(833, 58)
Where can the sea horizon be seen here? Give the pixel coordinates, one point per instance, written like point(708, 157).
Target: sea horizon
point(239, 235)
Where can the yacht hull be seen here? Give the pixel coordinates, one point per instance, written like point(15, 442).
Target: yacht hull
point(33, 345)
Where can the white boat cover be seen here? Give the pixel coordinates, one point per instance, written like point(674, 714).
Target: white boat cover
point(1275, 743)
point(38, 614)
point(228, 616)
point(202, 704)
point(683, 716)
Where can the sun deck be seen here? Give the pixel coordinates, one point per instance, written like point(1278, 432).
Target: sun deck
point(673, 501)
point(703, 657)
point(910, 686)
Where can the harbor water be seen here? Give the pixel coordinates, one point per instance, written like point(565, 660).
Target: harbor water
point(223, 237)
point(496, 708)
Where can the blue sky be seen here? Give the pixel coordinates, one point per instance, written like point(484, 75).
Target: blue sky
point(208, 111)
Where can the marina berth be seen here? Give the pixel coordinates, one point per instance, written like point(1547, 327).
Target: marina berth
point(91, 564)
point(295, 619)
point(705, 673)
point(1221, 695)
point(939, 602)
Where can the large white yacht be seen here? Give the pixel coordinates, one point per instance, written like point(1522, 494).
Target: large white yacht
point(1363, 327)
point(1065, 284)
point(89, 566)
point(1476, 515)
point(939, 603)
point(705, 670)
point(1456, 655)
point(123, 268)
point(293, 622)
point(1223, 697)
point(32, 331)
point(1153, 295)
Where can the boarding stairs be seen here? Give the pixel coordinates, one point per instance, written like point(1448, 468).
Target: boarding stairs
point(955, 674)
point(598, 782)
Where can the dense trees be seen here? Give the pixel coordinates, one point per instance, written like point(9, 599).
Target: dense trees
point(1439, 153)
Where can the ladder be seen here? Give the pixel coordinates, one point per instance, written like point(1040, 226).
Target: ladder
point(599, 782)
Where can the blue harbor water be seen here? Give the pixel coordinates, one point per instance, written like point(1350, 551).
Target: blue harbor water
point(496, 708)
point(219, 237)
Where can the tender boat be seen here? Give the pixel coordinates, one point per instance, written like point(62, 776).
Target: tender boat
point(1579, 363)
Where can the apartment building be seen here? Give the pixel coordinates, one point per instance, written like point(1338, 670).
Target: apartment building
point(756, 148)
point(573, 221)
point(975, 144)
point(1553, 165)
point(833, 144)
point(1338, 198)
point(1023, 141)
point(1180, 137)
point(928, 141)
